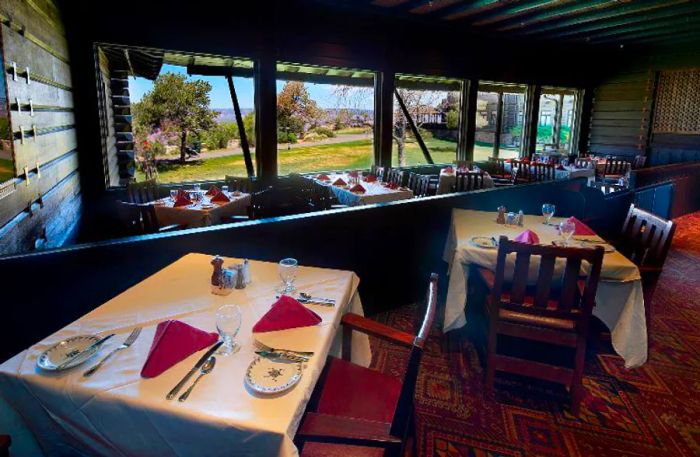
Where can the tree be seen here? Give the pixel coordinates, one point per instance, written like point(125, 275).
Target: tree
point(295, 108)
point(415, 101)
point(179, 104)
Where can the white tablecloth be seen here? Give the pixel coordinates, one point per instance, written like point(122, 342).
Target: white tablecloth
point(448, 180)
point(196, 216)
point(619, 301)
point(116, 412)
point(375, 192)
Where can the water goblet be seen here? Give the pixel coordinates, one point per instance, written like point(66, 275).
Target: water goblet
point(224, 189)
point(197, 187)
point(288, 272)
point(566, 230)
point(173, 194)
point(228, 322)
point(548, 211)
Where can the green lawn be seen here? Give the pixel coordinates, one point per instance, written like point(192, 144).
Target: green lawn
point(7, 170)
point(340, 156)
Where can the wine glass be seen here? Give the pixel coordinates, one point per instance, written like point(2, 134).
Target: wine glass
point(228, 322)
point(224, 189)
point(566, 230)
point(548, 211)
point(173, 194)
point(288, 272)
point(197, 187)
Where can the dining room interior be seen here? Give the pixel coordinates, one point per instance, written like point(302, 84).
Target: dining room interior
point(446, 228)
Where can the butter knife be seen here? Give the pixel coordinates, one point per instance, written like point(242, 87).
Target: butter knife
point(94, 345)
point(194, 370)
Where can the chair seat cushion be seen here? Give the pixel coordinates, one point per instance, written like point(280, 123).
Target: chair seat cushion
point(312, 449)
point(350, 390)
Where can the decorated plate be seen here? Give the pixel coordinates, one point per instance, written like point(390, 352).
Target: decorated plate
point(268, 376)
point(592, 244)
point(52, 358)
point(484, 242)
point(208, 205)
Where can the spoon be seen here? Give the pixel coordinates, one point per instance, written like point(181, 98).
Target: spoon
point(206, 369)
point(308, 297)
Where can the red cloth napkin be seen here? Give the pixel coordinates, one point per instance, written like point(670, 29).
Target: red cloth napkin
point(392, 185)
point(220, 198)
point(370, 178)
point(354, 174)
point(182, 200)
point(340, 182)
point(357, 188)
point(174, 341)
point(448, 170)
point(581, 228)
point(525, 160)
point(323, 177)
point(213, 190)
point(284, 314)
point(182, 193)
point(528, 237)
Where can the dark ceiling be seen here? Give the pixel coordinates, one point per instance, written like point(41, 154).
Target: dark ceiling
point(595, 22)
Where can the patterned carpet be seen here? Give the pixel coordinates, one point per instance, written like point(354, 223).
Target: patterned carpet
point(649, 411)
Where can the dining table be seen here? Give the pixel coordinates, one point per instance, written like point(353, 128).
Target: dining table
point(448, 179)
point(562, 172)
point(375, 192)
point(118, 412)
point(201, 213)
point(619, 299)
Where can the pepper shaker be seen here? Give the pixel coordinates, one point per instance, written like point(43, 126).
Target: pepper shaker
point(501, 218)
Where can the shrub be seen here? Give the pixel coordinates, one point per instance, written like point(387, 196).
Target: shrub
point(283, 137)
point(323, 131)
point(452, 119)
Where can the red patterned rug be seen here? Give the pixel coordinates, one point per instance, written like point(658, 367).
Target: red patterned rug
point(649, 411)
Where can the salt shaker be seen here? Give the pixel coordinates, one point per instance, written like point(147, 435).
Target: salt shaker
point(521, 218)
point(246, 271)
point(501, 218)
point(240, 276)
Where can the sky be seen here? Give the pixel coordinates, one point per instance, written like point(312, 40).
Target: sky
point(220, 97)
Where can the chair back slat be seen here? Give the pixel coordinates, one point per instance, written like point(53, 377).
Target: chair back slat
point(467, 180)
point(646, 238)
point(239, 183)
point(142, 192)
point(542, 172)
point(544, 281)
point(520, 276)
point(615, 166)
point(569, 284)
point(499, 167)
point(583, 162)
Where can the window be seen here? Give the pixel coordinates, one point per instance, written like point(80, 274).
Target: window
point(433, 105)
point(493, 99)
point(325, 119)
point(183, 123)
point(556, 120)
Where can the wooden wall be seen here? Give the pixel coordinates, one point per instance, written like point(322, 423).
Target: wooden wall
point(44, 209)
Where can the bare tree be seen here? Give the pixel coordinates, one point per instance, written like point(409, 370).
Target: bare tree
point(416, 101)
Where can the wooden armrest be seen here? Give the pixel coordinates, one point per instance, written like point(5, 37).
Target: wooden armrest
point(172, 227)
point(345, 430)
point(649, 269)
point(373, 328)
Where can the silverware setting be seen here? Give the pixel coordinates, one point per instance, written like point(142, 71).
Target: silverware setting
point(205, 370)
point(194, 369)
point(128, 342)
point(288, 356)
point(95, 345)
point(260, 347)
point(319, 300)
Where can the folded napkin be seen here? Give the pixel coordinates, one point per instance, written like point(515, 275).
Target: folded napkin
point(392, 185)
point(525, 160)
point(340, 182)
point(220, 198)
point(448, 170)
point(528, 237)
point(182, 200)
point(173, 342)
point(182, 193)
point(357, 188)
point(213, 190)
point(581, 228)
point(284, 314)
point(323, 177)
point(370, 178)
point(354, 174)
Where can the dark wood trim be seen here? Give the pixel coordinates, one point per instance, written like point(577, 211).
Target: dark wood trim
point(584, 124)
point(241, 128)
point(414, 128)
point(499, 125)
point(266, 117)
point(384, 117)
point(467, 119)
point(531, 120)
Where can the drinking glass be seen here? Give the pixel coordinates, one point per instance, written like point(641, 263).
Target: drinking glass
point(566, 230)
point(548, 211)
point(288, 273)
point(197, 187)
point(228, 322)
point(224, 189)
point(173, 194)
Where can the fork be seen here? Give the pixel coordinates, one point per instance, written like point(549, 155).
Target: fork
point(283, 356)
point(128, 342)
point(264, 347)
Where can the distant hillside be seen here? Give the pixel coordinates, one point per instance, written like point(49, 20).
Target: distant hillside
point(227, 115)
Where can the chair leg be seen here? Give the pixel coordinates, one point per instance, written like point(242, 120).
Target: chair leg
point(490, 353)
point(576, 389)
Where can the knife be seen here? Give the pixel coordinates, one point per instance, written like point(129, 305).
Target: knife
point(94, 345)
point(194, 369)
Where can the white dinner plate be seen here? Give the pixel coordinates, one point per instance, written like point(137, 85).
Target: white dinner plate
point(267, 376)
point(484, 242)
point(52, 358)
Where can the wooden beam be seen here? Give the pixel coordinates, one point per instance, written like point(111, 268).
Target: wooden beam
point(266, 116)
point(578, 21)
point(499, 125)
point(532, 114)
point(567, 9)
point(467, 119)
point(241, 128)
point(414, 128)
point(663, 32)
point(384, 117)
point(462, 10)
point(670, 24)
point(517, 10)
point(584, 102)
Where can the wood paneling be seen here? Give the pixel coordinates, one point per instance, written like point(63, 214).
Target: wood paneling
point(43, 148)
point(27, 54)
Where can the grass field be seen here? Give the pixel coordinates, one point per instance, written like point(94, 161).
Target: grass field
point(7, 170)
point(340, 156)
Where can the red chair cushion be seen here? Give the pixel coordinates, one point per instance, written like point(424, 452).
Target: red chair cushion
point(312, 449)
point(350, 390)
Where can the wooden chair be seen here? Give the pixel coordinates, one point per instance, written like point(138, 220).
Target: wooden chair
point(464, 164)
point(396, 176)
point(555, 311)
point(468, 180)
point(520, 172)
point(427, 186)
point(542, 172)
point(607, 188)
point(639, 162)
point(142, 192)
point(377, 171)
point(413, 182)
point(240, 184)
point(356, 411)
point(141, 219)
point(498, 168)
point(583, 162)
point(645, 240)
point(615, 169)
